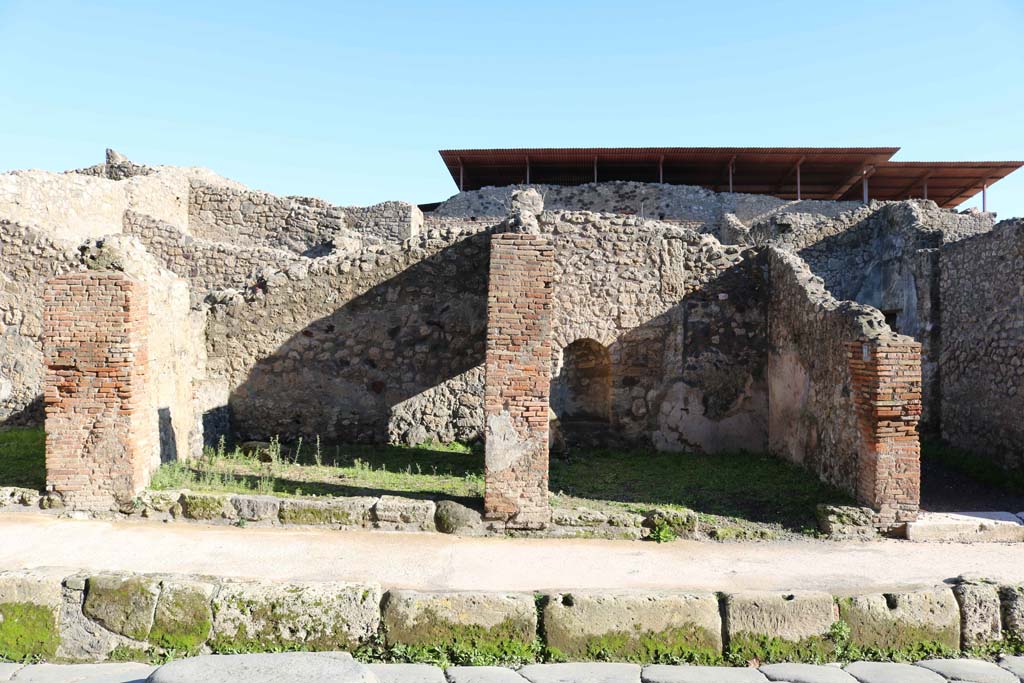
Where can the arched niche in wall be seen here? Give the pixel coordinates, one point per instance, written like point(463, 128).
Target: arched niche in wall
point(581, 388)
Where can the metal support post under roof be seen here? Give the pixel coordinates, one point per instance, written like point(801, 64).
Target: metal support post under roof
point(595, 169)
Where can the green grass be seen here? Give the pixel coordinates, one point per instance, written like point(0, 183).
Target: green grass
point(23, 457)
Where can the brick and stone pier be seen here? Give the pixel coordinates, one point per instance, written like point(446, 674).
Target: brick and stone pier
point(518, 369)
point(97, 437)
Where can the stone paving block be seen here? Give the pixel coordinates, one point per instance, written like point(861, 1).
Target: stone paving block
point(969, 671)
point(490, 623)
point(926, 620)
point(406, 673)
point(664, 673)
point(123, 672)
point(638, 626)
point(779, 626)
point(966, 527)
point(7, 670)
point(588, 672)
point(482, 674)
point(887, 672)
point(308, 667)
point(1013, 664)
point(806, 673)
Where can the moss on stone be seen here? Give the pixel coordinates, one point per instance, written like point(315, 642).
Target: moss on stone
point(277, 626)
point(744, 647)
point(123, 605)
point(315, 514)
point(27, 631)
point(204, 507)
point(512, 641)
point(182, 622)
point(896, 640)
point(688, 644)
point(127, 653)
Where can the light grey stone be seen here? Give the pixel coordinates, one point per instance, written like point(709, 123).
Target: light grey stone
point(7, 670)
point(406, 673)
point(256, 508)
point(454, 518)
point(482, 674)
point(1014, 664)
point(349, 511)
point(396, 512)
point(980, 620)
point(308, 667)
point(806, 673)
point(122, 603)
point(789, 616)
point(966, 527)
point(428, 618)
point(895, 621)
point(969, 671)
point(887, 672)
point(123, 672)
point(664, 673)
point(584, 672)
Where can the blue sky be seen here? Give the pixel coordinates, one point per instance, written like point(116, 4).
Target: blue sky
point(351, 101)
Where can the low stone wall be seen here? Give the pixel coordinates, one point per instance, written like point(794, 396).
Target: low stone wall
point(100, 616)
point(844, 389)
point(981, 364)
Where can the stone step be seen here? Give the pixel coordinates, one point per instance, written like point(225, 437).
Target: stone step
point(966, 527)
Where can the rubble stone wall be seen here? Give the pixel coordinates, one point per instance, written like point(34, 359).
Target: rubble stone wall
point(844, 391)
point(981, 364)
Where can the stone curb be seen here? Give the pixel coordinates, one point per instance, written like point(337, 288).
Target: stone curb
point(110, 615)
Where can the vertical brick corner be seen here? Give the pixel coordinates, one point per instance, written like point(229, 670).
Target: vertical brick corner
point(518, 376)
point(887, 394)
point(98, 439)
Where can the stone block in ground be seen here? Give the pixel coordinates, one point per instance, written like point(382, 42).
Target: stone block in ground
point(183, 618)
point(309, 667)
point(206, 507)
point(890, 672)
point(119, 672)
point(903, 626)
point(406, 673)
point(779, 627)
point(847, 522)
point(256, 508)
point(1013, 664)
point(14, 495)
point(633, 626)
point(30, 604)
point(122, 603)
point(969, 671)
point(585, 672)
point(664, 673)
point(396, 512)
point(349, 511)
point(497, 626)
point(1011, 599)
point(265, 615)
point(794, 672)
point(683, 523)
point(980, 614)
point(8, 669)
point(454, 518)
point(156, 503)
point(482, 674)
point(966, 527)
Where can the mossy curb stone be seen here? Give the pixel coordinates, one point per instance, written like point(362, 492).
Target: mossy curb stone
point(500, 627)
point(903, 626)
point(887, 672)
point(29, 614)
point(633, 626)
point(454, 518)
point(779, 627)
point(183, 619)
point(309, 667)
point(354, 511)
point(206, 506)
point(122, 604)
point(806, 673)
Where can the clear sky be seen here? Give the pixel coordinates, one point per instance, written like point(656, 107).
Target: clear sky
point(351, 101)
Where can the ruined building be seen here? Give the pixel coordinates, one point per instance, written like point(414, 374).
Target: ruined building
point(824, 305)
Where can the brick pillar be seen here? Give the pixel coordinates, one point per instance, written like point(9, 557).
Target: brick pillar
point(887, 393)
point(98, 440)
point(518, 365)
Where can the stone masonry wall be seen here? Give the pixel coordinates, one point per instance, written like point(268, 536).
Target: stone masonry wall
point(97, 436)
point(844, 391)
point(519, 311)
point(981, 364)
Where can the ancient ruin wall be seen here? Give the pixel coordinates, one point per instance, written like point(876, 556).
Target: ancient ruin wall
point(981, 364)
point(683, 321)
point(98, 437)
point(518, 362)
point(844, 391)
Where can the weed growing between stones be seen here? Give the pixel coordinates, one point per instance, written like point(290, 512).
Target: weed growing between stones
point(27, 632)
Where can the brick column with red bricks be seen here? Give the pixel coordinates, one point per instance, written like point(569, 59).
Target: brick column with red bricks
point(98, 440)
point(887, 395)
point(518, 377)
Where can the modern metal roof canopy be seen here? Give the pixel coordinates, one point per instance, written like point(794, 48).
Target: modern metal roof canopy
point(787, 172)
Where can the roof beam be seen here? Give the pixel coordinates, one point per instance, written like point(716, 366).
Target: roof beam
point(923, 178)
point(969, 191)
point(861, 173)
point(790, 171)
